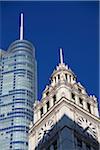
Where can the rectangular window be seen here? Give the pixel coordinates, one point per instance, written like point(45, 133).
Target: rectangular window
point(66, 76)
point(73, 96)
point(70, 78)
point(48, 105)
point(58, 76)
point(79, 90)
point(81, 101)
point(88, 107)
point(54, 99)
point(41, 111)
point(79, 142)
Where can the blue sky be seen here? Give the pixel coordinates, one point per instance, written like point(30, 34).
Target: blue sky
point(74, 26)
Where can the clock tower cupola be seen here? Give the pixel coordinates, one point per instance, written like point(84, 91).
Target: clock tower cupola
point(67, 116)
point(62, 73)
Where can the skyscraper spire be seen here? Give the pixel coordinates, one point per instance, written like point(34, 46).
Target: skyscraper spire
point(61, 56)
point(21, 27)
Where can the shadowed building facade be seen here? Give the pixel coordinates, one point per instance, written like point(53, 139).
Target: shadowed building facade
point(17, 93)
point(66, 118)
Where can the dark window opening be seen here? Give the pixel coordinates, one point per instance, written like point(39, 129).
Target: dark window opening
point(70, 78)
point(54, 99)
point(73, 96)
point(79, 90)
point(81, 101)
point(58, 76)
point(47, 93)
point(47, 105)
point(89, 108)
point(41, 111)
point(66, 76)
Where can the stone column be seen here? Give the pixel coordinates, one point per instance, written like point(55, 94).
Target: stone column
point(51, 101)
point(68, 77)
point(96, 111)
point(84, 104)
point(77, 100)
point(92, 109)
point(56, 79)
point(45, 108)
point(38, 114)
point(71, 79)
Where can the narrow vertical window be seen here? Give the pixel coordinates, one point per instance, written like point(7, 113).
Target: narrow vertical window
point(48, 105)
point(73, 96)
point(81, 101)
point(88, 107)
point(70, 78)
point(41, 111)
point(66, 76)
point(58, 76)
point(54, 99)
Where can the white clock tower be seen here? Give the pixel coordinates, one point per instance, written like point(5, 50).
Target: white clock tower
point(66, 118)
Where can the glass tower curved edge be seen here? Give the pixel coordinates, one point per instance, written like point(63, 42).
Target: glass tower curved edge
point(17, 94)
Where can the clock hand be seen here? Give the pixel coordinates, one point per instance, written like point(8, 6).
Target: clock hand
point(46, 132)
point(86, 129)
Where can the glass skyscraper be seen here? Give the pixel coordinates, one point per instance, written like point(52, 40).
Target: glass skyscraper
point(17, 94)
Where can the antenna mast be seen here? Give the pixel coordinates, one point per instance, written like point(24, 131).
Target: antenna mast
point(61, 56)
point(21, 27)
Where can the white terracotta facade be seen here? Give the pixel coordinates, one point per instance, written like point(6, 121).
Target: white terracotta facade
point(66, 118)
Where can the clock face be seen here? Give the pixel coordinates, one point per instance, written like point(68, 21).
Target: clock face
point(45, 129)
point(87, 127)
